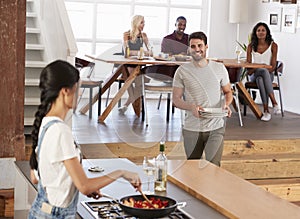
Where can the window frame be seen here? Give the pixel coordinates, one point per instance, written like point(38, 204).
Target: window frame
point(204, 22)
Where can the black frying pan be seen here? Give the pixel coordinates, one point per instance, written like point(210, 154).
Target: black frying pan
point(148, 213)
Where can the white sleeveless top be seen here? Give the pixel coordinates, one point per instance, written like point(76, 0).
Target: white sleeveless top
point(262, 58)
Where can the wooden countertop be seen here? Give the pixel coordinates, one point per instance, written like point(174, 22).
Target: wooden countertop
point(232, 196)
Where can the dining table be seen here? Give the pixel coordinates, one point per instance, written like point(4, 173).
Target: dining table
point(233, 66)
point(123, 65)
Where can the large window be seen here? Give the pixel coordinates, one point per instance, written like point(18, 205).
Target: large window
point(99, 24)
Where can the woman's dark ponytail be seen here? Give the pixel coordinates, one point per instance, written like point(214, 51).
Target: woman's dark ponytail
point(53, 78)
point(39, 115)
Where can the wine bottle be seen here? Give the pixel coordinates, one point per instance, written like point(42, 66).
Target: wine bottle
point(141, 53)
point(161, 162)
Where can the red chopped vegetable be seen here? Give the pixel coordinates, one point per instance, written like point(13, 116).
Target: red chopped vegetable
point(157, 203)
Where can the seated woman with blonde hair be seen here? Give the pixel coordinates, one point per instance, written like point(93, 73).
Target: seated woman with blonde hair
point(135, 39)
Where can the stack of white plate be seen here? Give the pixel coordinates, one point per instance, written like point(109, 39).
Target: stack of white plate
point(213, 112)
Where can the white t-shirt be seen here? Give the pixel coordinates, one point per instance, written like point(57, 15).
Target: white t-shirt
point(57, 146)
point(202, 86)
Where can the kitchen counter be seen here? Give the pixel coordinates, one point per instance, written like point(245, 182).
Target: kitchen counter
point(228, 193)
point(120, 188)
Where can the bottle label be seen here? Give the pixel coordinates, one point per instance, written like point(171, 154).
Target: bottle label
point(160, 175)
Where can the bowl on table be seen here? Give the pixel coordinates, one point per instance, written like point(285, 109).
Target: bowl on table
point(182, 58)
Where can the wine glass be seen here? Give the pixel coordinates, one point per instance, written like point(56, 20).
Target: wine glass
point(150, 49)
point(148, 169)
point(238, 53)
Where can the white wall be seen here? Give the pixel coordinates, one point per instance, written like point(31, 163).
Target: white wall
point(59, 33)
point(222, 37)
point(222, 34)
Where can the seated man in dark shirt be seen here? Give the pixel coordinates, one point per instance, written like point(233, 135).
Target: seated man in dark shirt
point(177, 42)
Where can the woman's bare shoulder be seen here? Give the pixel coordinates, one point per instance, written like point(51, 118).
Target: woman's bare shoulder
point(144, 34)
point(274, 45)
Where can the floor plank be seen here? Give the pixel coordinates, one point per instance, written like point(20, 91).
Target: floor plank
point(130, 128)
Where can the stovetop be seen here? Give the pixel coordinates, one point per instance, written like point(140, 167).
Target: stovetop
point(111, 210)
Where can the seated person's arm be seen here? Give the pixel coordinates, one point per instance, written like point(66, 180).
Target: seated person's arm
point(274, 50)
point(126, 37)
point(146, 42)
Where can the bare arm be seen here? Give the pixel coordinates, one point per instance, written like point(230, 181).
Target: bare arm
point(146, 40)
point(126, 37)
point(33, 178)
point(181, 104)
point(274, 50)
point(87, 186)
point(228, 97)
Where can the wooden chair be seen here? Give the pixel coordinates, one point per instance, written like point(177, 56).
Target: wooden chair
point(161, 78)
point(236, 103)
point(276, 85)
point(234, 77)
point(86, 70)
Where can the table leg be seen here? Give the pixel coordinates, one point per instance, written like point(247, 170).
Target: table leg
point(255, 109)
point(105, 86)
point(120, 93)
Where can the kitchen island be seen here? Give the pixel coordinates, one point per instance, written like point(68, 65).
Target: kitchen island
point(209, 191)
point(120, 188)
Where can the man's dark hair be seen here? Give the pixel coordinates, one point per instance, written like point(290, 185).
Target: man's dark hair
point(180, 18)
point(198, 35)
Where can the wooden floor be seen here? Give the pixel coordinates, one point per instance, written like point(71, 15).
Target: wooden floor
point(130, 128)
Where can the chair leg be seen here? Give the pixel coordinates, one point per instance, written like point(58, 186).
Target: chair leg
point(245, 109)
point(159, 101)
point(281, 105)
point(91, 103)
point(236, 97)
point(107, 97)
point(120, 85)
point(168, 106)
point(144, 106)
point(99, 99)
point(146, 112)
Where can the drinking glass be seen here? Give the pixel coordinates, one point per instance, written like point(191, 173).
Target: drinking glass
point(150, 48)
point(149, 169)
point(238, 53)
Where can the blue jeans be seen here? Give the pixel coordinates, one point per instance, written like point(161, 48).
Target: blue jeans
point(38, 211)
